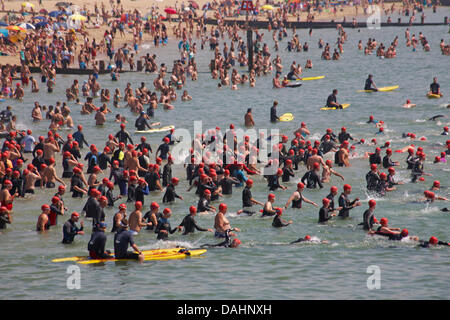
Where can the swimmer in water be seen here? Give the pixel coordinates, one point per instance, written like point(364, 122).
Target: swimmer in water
point(308, 238)
point(278, 222)
point(432, 242)
point(408, 104)
point(297, 198)
point(437, 117)
point(227, 243)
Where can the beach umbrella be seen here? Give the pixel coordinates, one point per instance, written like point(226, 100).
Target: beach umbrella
point(43, 11)
point(40, 18)
point(41, 24)
point(194, 4)
point(77, 17)
point(27, 26)
point(27, 5)
point(15, 28)
point(267, 7)
point(170, 11)
point(54, 14)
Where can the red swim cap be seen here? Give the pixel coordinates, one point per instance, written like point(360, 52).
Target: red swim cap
point(192, 209)
point(249, 182)
point(167, 210)
point(384, 221)
point(433, 240)
point(347, 187)
point(271, 196)
point(333, 189)
point(308, 237)
point(372, 203)
point(223, 207)
point(300, 185)
point(45, 207)
point(436, 184)
point(404, 233)
point(138, 205)
point(373, 166)
point(325, 201)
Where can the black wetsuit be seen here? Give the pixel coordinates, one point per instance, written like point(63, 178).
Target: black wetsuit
point(417, 170)
point(164, 148)
point(273, 114)
point(141, 123)
point(273, 182)
point(287, 173)
point(324, 215)
point(70, 230)
point(331, 205)
point(346, 206)
point(131, 192)
point(434, 87)
point(76, 181)
point(203, 205)
point(331, 98)
point(97, 244)
point(374, 158)
point(170, 194)
point(246, 201)
point(164, 225)
point(103, 161)
point(372, 179)
point(368, 219)
point(344, 136)
point(167, 175)
point(278, 223)
point(410, 161)
point(227, 185)
point(387, 162)
point(124, 136)
point(368, 85)
point(190, 225)
point(312, 180)
point(426, 244)
point(121, 240)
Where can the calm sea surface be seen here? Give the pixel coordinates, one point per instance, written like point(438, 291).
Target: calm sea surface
point(265, 266)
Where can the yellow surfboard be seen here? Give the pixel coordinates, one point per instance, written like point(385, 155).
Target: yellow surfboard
point(309, 78)
point(344, 106)
point(382, 89)
point(162, 129)
point(287, 117)
point(145, 252)
point(433, 96)
point(167, 256)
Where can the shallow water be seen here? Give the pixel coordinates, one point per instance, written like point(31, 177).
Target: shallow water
point(265, 267)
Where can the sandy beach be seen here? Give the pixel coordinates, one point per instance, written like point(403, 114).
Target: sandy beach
point(145, 6)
